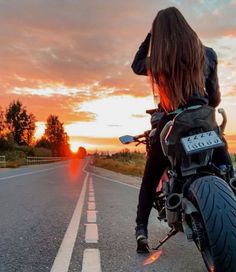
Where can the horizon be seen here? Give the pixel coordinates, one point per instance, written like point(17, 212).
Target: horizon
point(73, 60)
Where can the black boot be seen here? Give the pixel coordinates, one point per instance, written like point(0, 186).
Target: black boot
point(141, 238)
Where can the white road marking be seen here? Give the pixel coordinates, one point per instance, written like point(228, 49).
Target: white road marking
point(91, 216)
point(62, 260)
point(91, 256)
point(91, 233)
point(91, 205)
point(116, 181)
point(91, 199)
point(31, 173)
point(91, 260)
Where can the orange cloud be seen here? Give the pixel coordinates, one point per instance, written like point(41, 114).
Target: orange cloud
point(56, 57)
point(231, 139)
point(103, 144)
point(232, 93)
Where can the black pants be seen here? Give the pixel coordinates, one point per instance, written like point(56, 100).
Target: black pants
point(155, 165)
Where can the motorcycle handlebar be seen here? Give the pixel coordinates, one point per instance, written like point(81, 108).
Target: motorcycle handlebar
point(146, 133)
point(143, 135)
point(224, 121)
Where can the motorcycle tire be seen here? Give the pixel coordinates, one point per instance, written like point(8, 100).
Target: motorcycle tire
point(217, 210)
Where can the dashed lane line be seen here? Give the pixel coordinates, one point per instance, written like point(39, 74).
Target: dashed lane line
point(91, 216)
point(91, 206)
point(91, 199)
point(91, 256)
point(62, 260)
point(91, 260)
point(91, 233)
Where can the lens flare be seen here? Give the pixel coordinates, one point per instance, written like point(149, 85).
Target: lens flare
point(74, 168)
point(153, 258)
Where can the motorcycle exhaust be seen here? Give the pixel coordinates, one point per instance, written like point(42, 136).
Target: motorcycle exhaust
point(232, 184)
point(173, 206)
point(173, 202)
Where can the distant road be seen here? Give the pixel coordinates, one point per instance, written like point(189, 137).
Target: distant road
point(69, 217)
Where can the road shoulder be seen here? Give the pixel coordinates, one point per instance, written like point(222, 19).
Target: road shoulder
point(131, 180)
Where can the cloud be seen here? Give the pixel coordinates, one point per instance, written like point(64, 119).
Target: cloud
point(60, 53)
point(103, 144)
point(231, 140)
point(232, 92)
point(139, 116)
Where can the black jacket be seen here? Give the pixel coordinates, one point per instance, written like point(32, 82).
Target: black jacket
point(211, 78)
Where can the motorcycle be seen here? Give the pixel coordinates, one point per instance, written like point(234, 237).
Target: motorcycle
point(195, 196)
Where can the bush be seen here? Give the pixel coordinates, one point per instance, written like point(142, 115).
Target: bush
point(125, 162)
point(28, 150)
point(82, 153)
point(42, 152)
point(7, 144)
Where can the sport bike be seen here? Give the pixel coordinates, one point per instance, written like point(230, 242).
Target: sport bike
point(195, 196)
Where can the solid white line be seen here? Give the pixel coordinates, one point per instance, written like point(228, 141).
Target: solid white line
point(31, 173)
point(91, 260)
point(116, 181)
point(91, 233)
point(62, 260)
point(91, 216)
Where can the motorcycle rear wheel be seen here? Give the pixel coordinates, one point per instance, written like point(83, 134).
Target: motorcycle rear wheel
point(217, 212)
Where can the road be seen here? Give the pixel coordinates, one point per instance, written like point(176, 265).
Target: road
point(71, 217)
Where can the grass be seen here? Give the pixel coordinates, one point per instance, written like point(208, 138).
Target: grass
point(128, 163)
point(233, 158)
point(123, 162)
point(18, 156)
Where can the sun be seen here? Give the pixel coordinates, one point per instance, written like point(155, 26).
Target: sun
point(74, 146)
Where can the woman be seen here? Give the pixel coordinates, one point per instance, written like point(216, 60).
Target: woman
point(184, 73)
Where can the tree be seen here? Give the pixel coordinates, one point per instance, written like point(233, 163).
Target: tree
point(81, 153)
point(4, 131)
point(6, 139)
point(56, 136)
point(21, 123)
point(43, 142)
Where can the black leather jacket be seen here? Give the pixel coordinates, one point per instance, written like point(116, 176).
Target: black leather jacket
point(211, 78)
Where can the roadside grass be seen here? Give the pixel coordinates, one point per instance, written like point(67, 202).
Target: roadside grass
point(233, 158)
point(123, 162)
point(128, 163)
point(18, 157)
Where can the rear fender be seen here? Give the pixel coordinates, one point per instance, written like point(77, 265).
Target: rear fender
point(188, 206)
point(188, 209)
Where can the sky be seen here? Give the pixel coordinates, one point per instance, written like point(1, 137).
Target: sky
point(72, 58)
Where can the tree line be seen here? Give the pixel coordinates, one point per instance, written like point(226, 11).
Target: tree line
point(17, 129)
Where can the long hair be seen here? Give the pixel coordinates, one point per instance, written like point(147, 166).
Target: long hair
point(176, 59)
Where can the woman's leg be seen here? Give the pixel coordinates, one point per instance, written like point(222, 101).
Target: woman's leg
point(155, 166)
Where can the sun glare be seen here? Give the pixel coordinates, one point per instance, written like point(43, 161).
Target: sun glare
point(74, 146)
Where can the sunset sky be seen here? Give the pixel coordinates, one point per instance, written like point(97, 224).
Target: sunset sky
point(72, 58)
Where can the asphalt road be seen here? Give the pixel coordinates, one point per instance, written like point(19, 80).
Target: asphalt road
point(69, 217)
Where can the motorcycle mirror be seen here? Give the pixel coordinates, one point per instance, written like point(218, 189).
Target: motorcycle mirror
point(126, 139)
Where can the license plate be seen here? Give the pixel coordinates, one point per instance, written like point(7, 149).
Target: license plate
point(201, 141)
